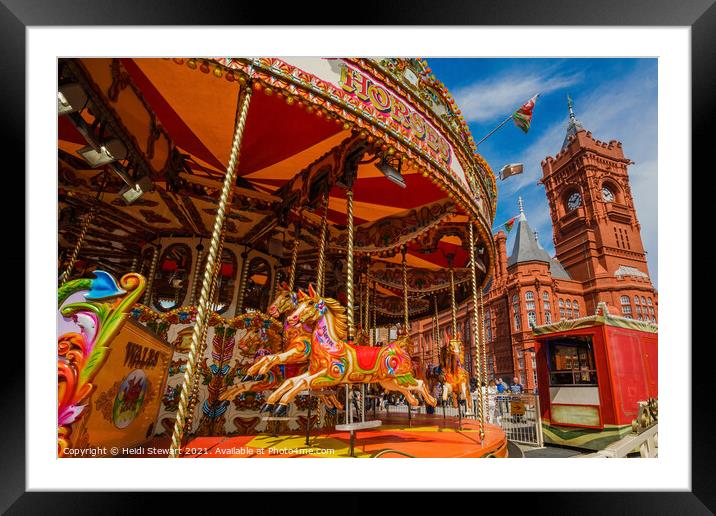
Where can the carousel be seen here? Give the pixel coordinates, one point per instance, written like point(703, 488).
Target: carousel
point(243, 244)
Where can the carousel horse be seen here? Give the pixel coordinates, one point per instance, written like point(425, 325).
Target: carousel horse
point(455, 379)
point(334, 361)
point(265, 373)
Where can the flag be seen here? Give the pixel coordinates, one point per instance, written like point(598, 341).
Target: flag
point(511, 170)
point(523, 116)
point(510, 224)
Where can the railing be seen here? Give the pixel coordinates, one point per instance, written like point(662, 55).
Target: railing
point(646, 442)
point(517, 414)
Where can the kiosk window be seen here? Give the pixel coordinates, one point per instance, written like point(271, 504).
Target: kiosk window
point(571, 362)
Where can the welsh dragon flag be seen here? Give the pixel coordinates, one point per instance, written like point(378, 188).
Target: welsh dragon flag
point(523, 116)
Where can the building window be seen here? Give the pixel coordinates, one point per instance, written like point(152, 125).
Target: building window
point(561, 313)
point(517, 321)
point(636, 300)
point(532, 319)
point(530, 305)
point(547, 305)
point(648, 301)
point(638, 309)
point(548, 317)
point(514, 299)
point(626, 306)
point(561, 303)
point(529, 295)
point(545, 295)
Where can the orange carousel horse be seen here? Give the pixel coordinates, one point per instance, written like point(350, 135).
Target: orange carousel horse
point(334, 361)
point(265, 373)
point(456, 378)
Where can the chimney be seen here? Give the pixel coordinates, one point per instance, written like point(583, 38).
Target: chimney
point(501, 263)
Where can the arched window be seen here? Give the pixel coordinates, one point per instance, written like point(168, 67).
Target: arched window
point(225, 283)
point(648, 301)
point(529, 295)
point(548, 317)
point(532, 319)
point(575, 309)
point(258, 285)
point(171, 280)
point(636, 300)
point(514, 298)
point(545, 295)
point(561, 303)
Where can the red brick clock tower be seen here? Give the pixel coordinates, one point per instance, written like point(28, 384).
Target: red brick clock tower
point(595, 227)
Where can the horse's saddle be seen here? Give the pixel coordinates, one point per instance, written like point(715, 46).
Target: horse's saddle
point(367, 356)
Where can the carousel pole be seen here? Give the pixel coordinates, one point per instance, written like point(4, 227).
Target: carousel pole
point(363, 299)
point(349, 265)
point(133, 267)
point(150, 277)
point(244, 276)
point(437, 329)
point(195, 280)
point(89, 217)
point(473, 275)
point(483, 353)
point(452, 302)
point(320, 274)
point(294, 259)
point(224, 200)
point(374, 326)
point(367, 328)
point(194, 397)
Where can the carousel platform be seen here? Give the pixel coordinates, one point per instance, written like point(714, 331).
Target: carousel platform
point(425, 436)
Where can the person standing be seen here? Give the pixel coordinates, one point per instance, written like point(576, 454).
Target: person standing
point(491, 401)
point(516, 386)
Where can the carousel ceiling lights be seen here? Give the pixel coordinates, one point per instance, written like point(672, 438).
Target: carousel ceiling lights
point(391, 170)
point(70, 98)
point(106, 153)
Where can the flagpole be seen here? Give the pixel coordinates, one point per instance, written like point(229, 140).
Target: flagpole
point(495, 129)
point(502, 123)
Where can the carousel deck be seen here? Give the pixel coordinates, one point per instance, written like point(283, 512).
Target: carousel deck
point(428, 436)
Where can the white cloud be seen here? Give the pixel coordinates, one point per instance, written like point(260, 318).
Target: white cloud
point(503, 94)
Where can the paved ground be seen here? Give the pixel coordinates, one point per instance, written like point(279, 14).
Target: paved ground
point(552, 452)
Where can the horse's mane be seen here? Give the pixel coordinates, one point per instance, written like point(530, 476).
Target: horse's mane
point(336, 316)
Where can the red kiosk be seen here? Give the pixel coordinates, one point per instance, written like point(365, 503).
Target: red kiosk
point(592, 372)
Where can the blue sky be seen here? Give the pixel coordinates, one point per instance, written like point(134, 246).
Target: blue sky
point(613, 98)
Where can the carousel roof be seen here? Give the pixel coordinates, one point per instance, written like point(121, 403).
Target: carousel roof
point(176, 119)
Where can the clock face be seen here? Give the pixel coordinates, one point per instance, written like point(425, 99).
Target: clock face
point(574, 201)
point(607, 194)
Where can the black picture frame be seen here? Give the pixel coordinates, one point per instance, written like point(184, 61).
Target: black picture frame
point(700, 15)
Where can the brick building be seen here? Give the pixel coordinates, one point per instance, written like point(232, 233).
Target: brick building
point(599, 257)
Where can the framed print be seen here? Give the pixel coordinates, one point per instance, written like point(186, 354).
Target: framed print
point(337, 242)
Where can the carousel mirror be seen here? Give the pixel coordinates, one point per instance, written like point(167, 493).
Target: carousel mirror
point(225, 282)
point(258, 285)
point(171, 279)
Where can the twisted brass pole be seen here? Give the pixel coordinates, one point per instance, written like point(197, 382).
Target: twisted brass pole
point(404, 250)
point(150, 277)
point(195, 279)
point(320, 279)
point(226, 192)
point(349, 265)
point(453, 304)
point(89, 217)
point(294, 260)
point(473, 266)
point(194, 397)
point(437, 327)
point(363, 299)
point(367, 327)
point(483, 339)
point(374, 326)
point(133, 267)
point(242, 286)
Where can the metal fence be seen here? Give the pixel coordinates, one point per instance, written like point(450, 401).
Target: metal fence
point(518, 415)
